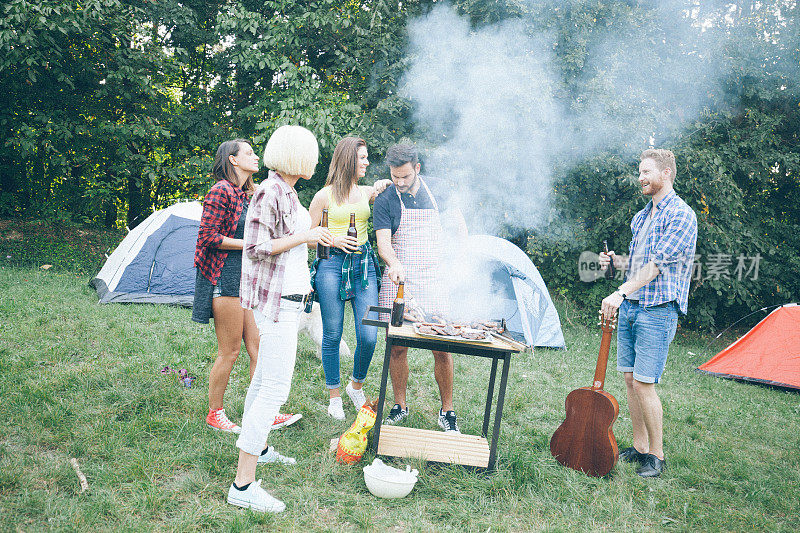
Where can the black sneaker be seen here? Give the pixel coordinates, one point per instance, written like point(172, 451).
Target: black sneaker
point(632, 455)
point(652, 466)
point(447, 421)
point(396, 414)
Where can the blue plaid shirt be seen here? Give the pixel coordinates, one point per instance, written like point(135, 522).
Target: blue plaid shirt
point(669, 244)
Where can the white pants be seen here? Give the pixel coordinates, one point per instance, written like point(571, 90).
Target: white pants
point(272, 379)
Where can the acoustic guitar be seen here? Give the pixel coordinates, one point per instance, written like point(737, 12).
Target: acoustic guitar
point(585, 440)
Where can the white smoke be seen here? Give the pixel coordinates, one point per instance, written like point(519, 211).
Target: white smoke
point(485, 98)
point(647, 82)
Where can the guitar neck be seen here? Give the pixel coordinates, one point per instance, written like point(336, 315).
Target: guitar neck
point(602, 360)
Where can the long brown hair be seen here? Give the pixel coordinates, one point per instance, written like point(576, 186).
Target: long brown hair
point(342, 171)
point(224, 170)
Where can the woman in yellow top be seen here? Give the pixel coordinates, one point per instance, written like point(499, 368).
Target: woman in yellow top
point(352, 271)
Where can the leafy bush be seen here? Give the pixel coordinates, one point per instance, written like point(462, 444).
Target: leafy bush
point(65, 246)
point(747, 207)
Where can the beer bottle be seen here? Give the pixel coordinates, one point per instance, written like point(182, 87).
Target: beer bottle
point(610, 271)
point(351, 231)
point(323, 252)
point(310, 301)
point(398, 306)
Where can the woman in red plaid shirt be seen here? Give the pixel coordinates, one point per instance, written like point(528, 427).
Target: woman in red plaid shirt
point(218, 258)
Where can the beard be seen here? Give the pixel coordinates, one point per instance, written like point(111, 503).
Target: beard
point(409, 187)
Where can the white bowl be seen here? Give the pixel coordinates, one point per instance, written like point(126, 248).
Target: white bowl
point(384, 481)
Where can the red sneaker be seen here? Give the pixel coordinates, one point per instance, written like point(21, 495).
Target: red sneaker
point(286, 419)
point(217, 419)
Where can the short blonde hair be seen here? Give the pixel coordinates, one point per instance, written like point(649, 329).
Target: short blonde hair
point(662, 158)
point(292, 150)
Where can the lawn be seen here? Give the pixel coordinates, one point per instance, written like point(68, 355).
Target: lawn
point(82, 380)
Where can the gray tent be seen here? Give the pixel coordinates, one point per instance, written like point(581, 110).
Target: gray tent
point(154, 263)
point(495, 279)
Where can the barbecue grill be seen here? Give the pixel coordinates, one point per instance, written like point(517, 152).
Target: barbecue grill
point(436, 446)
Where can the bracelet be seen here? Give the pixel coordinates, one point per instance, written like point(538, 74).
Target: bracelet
point(621, 294)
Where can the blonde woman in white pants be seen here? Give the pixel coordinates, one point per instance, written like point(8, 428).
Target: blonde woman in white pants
point(275, 284)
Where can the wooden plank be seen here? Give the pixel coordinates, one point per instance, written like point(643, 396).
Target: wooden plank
point(469, 450)
point(418, 444)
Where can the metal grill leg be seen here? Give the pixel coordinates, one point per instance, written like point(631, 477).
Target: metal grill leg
point(501, 396)
point(382, 394)
point(487, 414)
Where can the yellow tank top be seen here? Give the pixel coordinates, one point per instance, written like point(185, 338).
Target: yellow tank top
point(339, 216)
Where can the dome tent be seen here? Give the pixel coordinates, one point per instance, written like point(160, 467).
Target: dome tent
point(769, 353)
point(154, 263)
point(512, 287)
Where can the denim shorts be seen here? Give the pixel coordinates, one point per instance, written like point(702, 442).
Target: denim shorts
point(643, 339)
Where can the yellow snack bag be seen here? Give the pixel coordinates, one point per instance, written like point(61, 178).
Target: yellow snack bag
point(353, 442)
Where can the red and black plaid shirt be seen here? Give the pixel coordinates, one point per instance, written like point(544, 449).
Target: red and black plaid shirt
point(222, 208)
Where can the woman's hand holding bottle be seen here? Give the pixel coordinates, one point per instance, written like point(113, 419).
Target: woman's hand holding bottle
point(319, 235)
point(346, 243)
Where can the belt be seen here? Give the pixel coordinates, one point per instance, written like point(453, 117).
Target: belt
point(302, 298)
point(636, 302)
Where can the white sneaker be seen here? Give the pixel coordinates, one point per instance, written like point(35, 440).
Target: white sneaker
point(357, 395)
point(274, 457)
point(335, 409)
point(255, 498)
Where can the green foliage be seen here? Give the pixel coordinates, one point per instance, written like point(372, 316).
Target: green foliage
point(738, 165)
point(84, 85)
point(746, 206)
point(66, 246)
point(112, 107)
point(118, 106)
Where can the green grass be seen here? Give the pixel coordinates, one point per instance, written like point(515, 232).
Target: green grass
point(78, 379)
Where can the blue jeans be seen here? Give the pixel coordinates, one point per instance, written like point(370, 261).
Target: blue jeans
point(328, 280)
point(643, 339)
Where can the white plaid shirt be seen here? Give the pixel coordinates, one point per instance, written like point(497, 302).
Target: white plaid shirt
point(272, 215)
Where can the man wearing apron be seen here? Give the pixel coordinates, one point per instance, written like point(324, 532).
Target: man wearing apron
point(409, 231)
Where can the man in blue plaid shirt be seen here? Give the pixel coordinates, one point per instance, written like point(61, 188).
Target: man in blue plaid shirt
point(655, 291)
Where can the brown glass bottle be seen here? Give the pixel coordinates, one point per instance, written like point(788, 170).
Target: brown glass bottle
point(398, 306)
point(352, 231)
point(610, 271)
point(323, 252)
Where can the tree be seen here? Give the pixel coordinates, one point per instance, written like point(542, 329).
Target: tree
point(114, 107)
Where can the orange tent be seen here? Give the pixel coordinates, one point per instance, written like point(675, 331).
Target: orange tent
point(769, 353)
